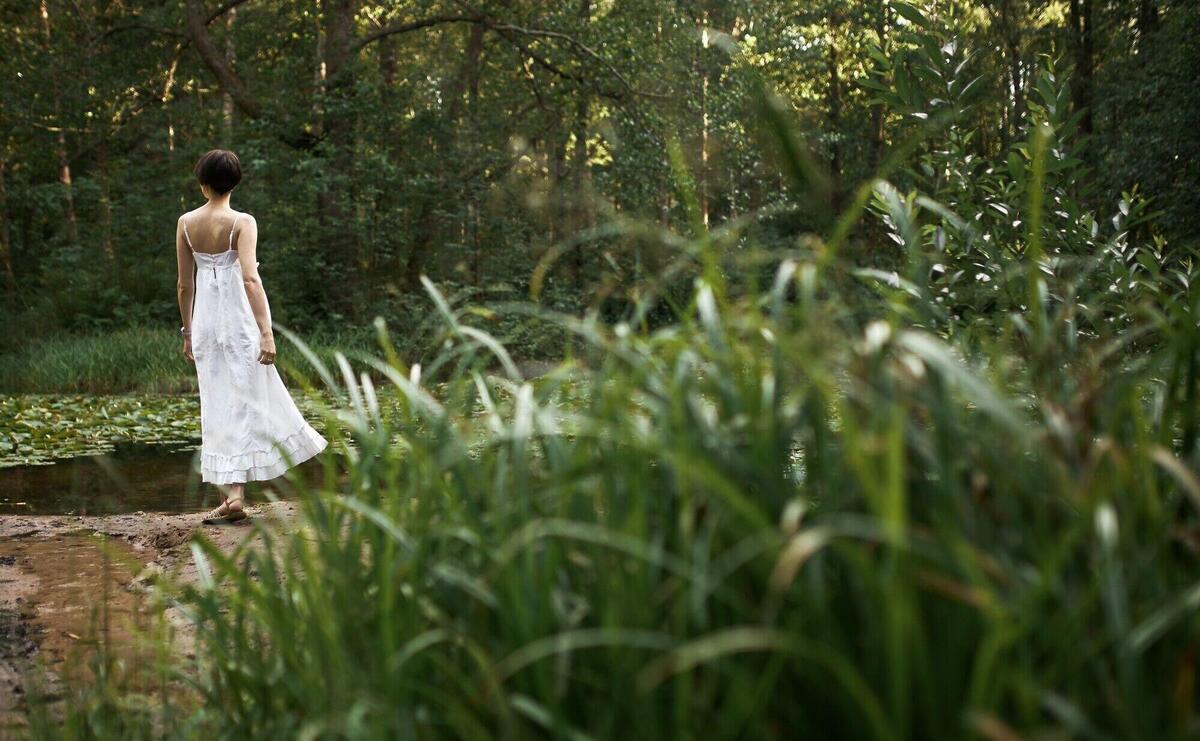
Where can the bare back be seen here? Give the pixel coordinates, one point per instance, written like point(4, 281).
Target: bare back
point(212, 231)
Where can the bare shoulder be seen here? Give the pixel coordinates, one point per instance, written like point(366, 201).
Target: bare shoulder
point(183, 217)
point(247, 227)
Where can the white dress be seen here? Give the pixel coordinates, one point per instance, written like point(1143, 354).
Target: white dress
point(250, 429)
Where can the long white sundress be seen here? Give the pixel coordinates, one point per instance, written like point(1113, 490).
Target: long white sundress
point(250, 429)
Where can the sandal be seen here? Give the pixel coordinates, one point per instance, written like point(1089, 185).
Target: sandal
point(222, 515)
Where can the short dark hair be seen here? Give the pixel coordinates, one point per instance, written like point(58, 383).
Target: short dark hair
point(219, 169)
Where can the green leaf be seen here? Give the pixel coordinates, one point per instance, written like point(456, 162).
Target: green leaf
point(911, 14)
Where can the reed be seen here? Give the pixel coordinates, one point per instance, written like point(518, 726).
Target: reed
point(748, 524)
point(764, 520)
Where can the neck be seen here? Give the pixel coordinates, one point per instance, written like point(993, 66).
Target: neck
point(219, 200)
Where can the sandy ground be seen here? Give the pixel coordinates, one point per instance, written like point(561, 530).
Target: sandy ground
point(63, 588)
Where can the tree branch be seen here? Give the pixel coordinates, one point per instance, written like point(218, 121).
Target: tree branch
point(539, 60)
point(577, 44)
point(228, 6)
point(581, 49)
point(507, 30)
point(197, 22)
point(141, 27)
point(417, 25)
point(225, 8)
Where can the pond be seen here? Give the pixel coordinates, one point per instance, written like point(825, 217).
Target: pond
point(134, 477)
point(97, 455)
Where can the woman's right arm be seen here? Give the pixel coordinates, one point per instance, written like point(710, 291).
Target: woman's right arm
point(185, 286)
point(247, 249)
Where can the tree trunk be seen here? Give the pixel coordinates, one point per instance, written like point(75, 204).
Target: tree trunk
point(835, 120)
point(1013, 77)
point(338, 127)
point(318, 85)
point(167, 94)
point(555, 147)
point(474, 220)
point(325, 205)
point(64, 177)
point(468, 73)
point(386, 204)
point(1147, 19)
point(581, 190)
point(1016, 80)
point(197, 21)
point(1081, 26)
point(227, 106)
point(473, 227)
point(702, 184)
point(64, 165)
point(387, 73)
point(339, 40)
point(582, 172)
point(474, 67)
point(10, 280)
point(877, 110)
point(102, 164)
point(664, 199)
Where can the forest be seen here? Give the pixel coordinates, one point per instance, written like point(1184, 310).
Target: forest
point(691, 368)
point(385, 141)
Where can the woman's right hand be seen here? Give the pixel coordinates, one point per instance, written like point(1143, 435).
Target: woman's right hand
point(187, 349)
point(266, 344)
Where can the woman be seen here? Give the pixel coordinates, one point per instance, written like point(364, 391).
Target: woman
point(250, 428)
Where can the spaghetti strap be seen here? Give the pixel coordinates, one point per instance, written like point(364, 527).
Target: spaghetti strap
point(185, 234)
point(235, 221)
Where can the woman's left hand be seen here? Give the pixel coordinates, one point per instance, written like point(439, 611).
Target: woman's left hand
point(187, 349)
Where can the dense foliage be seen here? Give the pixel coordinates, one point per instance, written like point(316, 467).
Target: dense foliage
point(468, 141)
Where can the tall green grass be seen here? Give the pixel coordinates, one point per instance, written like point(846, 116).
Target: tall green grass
point(768, 519)
point(758, 522)
point(132, 360)
point(127, 360)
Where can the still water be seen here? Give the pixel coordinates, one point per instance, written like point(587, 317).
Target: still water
point(133, 477)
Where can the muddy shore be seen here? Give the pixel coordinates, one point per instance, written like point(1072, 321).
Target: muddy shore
point(67, 582)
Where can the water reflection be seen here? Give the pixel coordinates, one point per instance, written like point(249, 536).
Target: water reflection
point(133, 477)
point(77, 588)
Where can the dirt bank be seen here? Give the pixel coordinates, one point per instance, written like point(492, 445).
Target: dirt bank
point(68, 582)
